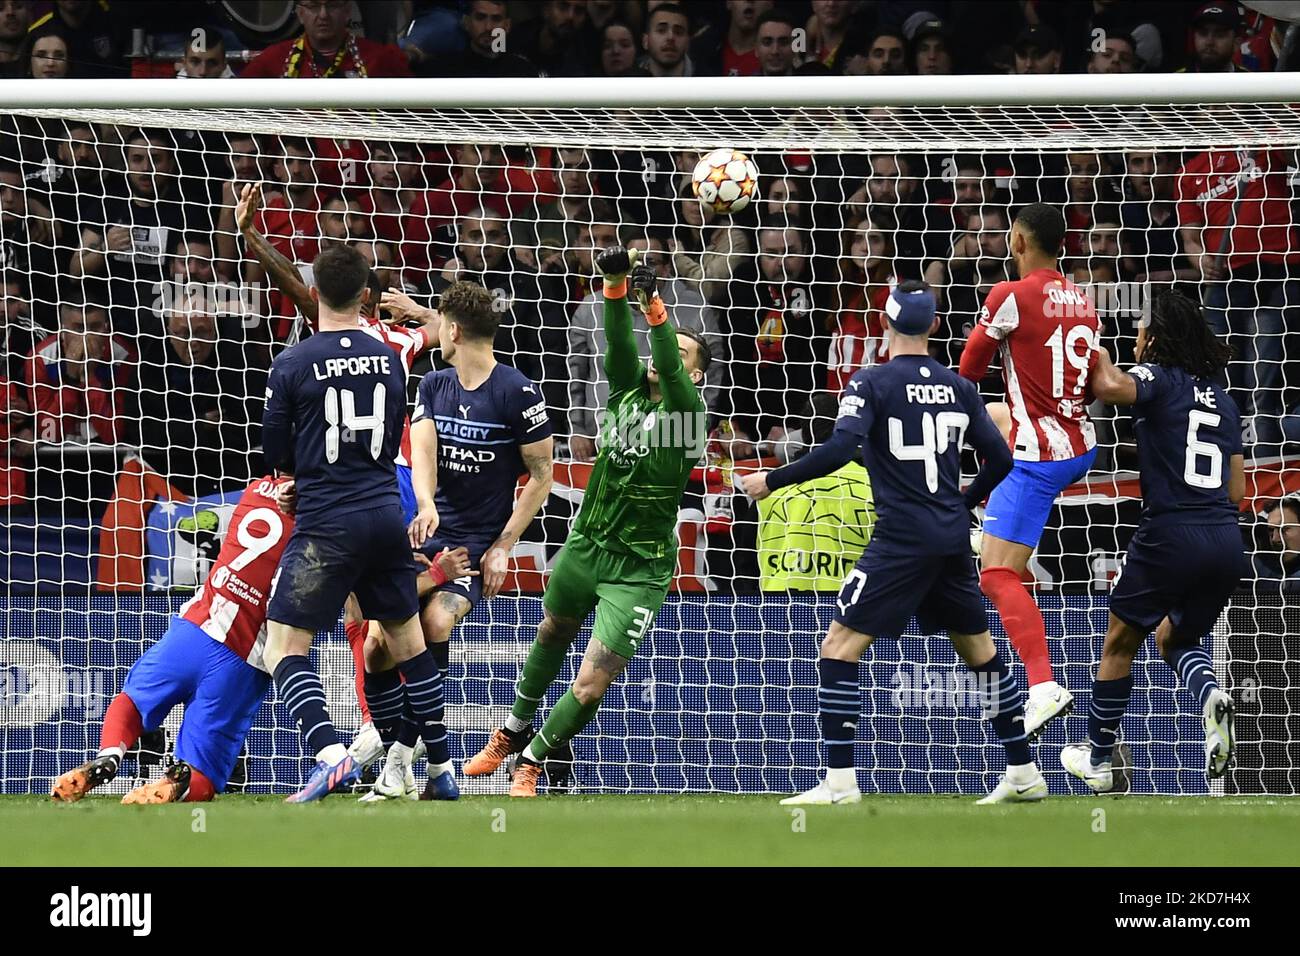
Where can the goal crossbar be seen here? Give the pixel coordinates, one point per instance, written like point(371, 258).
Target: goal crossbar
point(915, 113)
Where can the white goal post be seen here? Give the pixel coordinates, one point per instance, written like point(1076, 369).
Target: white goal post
point(861, 182)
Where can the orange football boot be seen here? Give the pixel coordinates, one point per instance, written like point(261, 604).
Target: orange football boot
point(524, 782)
point(78, 782)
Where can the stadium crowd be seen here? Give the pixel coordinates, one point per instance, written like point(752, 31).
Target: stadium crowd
point(107, 232)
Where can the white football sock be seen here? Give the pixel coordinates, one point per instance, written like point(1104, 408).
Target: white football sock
point(514, 724)
point(1022, 772)
point(332, 754)
point(840, 779)
point(531, 752)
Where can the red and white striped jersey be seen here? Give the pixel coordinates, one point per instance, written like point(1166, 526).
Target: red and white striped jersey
point(1045, 330)
point(231, 604)
point(409, 344)
point(858, 339)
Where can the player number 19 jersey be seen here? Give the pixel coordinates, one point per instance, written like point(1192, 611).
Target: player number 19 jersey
point(1046, 329)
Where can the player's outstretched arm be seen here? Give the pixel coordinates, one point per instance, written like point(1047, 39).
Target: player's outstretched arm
point(282, 272)
point(995, 324)
point(622, 364)
point(424, 480)
point(827, 458)
point(679, 392)
point(400, 309)
point(1110, 384)
point(852, 426)
point(538, 459)
point(447, 565)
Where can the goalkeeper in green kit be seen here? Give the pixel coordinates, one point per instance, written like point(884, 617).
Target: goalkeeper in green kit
point(621, 552)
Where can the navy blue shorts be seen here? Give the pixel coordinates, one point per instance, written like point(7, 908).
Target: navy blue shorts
point(1184, 572)
point(220, 690)
point(885, 589)
point(365, 553)
point(1020, 504)
point(469, 587)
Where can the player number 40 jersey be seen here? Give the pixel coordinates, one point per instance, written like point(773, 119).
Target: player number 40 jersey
point(230, 606)
point(1045, 328)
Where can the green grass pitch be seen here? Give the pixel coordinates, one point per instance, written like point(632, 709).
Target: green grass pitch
point(659, 830)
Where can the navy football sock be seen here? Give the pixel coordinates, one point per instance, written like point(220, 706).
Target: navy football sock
point(441, 656)
point(386, 699)
point(1195, 669)
point(839, 705)
point(1000, 698)
point(424, 696)
point(300, 689)
point(1109, 701)
point(408, 731)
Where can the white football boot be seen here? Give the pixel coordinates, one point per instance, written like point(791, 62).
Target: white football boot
point(397, 782)
point(1077, 758)
point(1220, 735)
point(1020, 785)
point(1047, 701)
point(823, 795)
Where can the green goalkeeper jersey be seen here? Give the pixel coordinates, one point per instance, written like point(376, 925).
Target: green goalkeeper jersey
point(647, 448)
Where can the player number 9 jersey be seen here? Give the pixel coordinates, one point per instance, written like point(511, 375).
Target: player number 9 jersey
point(230, 605)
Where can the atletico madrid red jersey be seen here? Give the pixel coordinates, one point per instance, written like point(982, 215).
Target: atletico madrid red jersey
point(1044, 328)
point(1245, 194)
point(859, 338)
point(230, 606)
point(408, 344)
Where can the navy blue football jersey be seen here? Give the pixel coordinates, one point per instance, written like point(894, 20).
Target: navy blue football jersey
point(912, 415)
point(1187, 430)
point(335, 406)
point(479, 434)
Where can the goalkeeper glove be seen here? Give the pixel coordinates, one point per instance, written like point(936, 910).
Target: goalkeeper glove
point(614, 263)
point(644, 285)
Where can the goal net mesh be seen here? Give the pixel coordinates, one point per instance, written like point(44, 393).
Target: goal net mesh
point(121, 262)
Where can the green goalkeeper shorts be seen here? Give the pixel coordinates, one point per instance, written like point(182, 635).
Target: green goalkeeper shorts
point(625, 589)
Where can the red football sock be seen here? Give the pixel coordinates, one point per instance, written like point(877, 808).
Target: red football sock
point(201, 788)
point(356, 632)
point(122, 725)
point(1021, 619)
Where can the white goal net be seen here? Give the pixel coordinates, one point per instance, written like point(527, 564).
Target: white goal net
point(139, 329)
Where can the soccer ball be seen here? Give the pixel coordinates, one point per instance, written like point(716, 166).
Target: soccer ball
point(726, 180)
